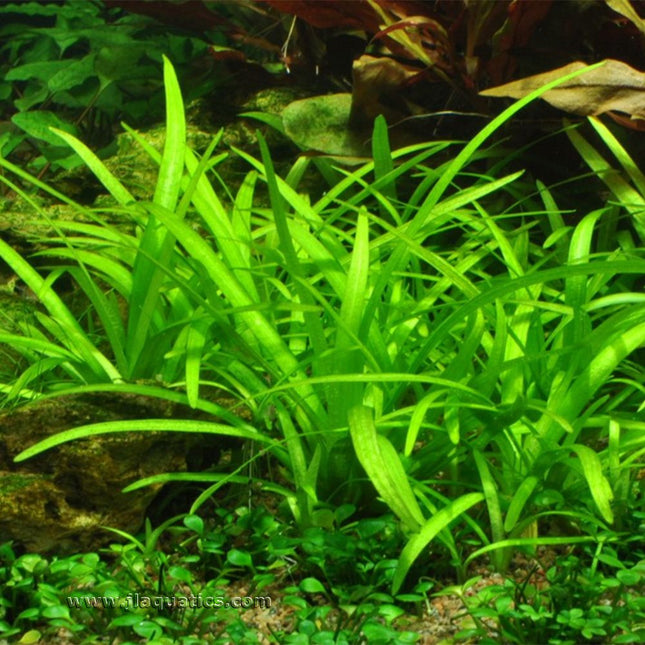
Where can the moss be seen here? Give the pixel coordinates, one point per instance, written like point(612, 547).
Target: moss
point(9, 483)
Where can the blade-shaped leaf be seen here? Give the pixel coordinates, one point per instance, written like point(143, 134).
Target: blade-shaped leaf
point(439, 521)
point(383, 467)
point(139, 425)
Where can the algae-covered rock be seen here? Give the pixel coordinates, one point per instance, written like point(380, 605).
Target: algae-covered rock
point(61, 500)
point(25, 222)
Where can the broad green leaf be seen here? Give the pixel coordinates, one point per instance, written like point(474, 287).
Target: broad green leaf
point(575, 292)
point(383, 467)
point(39, 124)
point(597, 482)
point(352, 306)
point(322, 123)
point(42, 71)
point(115, 62)
point(76, 73)
point(32, 96)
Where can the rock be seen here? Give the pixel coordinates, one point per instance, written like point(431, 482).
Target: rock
point(61, 500)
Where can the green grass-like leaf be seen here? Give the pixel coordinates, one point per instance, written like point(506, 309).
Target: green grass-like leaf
point(146, 425)
point(430, 529)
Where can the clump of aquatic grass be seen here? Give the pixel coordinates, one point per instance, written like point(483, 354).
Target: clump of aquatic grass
point(627, 185)
point(487, 381)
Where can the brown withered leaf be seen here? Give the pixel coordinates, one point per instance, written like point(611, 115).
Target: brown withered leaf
point(613, 86)
point(626, 122)
point(625, 8)
point(377, 90)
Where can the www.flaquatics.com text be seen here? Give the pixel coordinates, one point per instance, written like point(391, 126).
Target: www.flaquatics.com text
point(168, 602)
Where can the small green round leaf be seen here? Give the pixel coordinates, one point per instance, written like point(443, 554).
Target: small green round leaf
point(307, 627)
point(147, 629)
point(194, 523)
point(180, 573)
point(239, 558)
point(128, 620)
point(312, 585)
point(32, 636)
point(56, 611)
point(628, 578)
